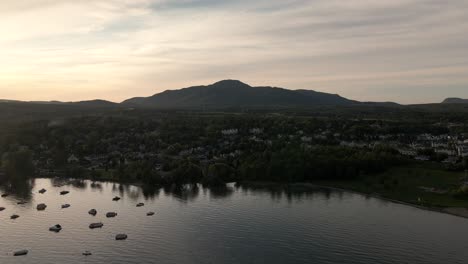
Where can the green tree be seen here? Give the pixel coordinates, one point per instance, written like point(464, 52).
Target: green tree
point(18, 164)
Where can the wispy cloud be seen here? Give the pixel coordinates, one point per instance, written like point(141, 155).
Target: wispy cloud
point(402, 50)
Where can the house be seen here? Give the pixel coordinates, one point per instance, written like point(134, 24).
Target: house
point(422, 158)
point(256, 131)
point(462, 151)
point(229, 132)
point(450, 160)
point(407, 152)
point(320, 137)
point(72, 159)
point(353, 144)
point(449, 152)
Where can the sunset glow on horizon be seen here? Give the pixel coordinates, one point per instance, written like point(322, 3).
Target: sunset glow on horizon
point(407, 51)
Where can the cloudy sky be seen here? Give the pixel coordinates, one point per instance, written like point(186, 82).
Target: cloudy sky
point(408, 51)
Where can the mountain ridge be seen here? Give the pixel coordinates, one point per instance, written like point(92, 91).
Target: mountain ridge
point(455, 100)
point(234, 93)
point(231, 94)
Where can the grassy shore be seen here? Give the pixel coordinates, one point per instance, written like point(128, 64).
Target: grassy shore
point(422, 186)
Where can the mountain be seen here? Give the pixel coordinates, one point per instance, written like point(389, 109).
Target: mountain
point(455, 101)
point(232, 93)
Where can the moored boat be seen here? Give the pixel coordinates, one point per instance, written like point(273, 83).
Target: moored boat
point(56, 228)
point(111, 214)
point(96, 225)
point(21, 252)
point(92, 212)
point(41, 207)
point(121, 237)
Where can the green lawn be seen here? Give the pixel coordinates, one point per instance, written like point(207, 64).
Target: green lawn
point(402, 183)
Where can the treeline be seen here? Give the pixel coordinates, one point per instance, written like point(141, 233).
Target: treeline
point(292, 164)
point(17, 165)
point(301, 165)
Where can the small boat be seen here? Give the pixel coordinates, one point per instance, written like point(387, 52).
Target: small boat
point(140, 204)
point(55, 228)
point(121, 237)
point(150, 214)
point(87, 253)
point(14, 216)
point(116, 198)
point(111, 214)
point(96, 225)
point(21, 202)
point(41, 207)
point(21, 252)
point(64, 192)
point(5, 195)
point(65, 206)
point(2, 208)
point(92, 212)
point(41, 191)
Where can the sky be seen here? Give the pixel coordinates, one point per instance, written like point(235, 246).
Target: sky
point(406, 51)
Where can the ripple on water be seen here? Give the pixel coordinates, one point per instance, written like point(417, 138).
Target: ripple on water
point(227, 226)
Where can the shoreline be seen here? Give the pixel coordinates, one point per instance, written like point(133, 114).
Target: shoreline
point(455, 211)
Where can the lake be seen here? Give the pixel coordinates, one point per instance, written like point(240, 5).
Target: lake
point(234, 224)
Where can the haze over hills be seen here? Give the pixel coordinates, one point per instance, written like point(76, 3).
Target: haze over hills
point(96, 102)
point(454, 100)
point(233, 93)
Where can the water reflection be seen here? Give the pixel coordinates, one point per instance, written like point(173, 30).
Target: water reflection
point(96, 186)
point(221, 192)
point(291, 192)
point(186, 193)
point(235, 223)
point(20, 189)
point(150, 191)
point(79, 184)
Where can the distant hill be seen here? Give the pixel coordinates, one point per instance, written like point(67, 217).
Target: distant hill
point(454, 100)
point(95, 103)
point(232, 93)
point(91, 103)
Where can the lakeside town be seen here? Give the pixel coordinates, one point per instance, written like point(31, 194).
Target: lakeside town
point(425, 147)
point(164, 148)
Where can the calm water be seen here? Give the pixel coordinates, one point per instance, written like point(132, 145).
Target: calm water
point(228, 225)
